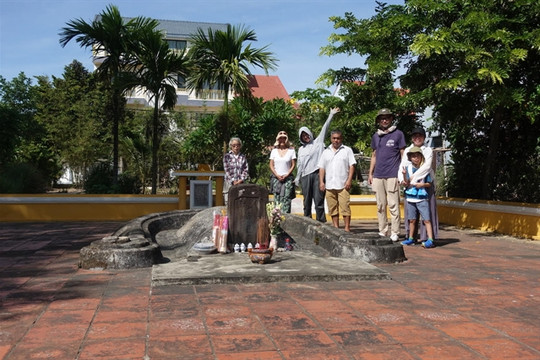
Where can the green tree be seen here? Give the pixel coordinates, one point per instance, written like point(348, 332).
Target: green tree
point(111, 37)
point(221, 59)
point(24, 138)
point(158, 70)
point(258, 126)
point(135, 145)
point(72, 111)
point(203, 144)
point(477, 65)
point(313, 108)
point(254, 121)
point(366, 90)
point(18, 101)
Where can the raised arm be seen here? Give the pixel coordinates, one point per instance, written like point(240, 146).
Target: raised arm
point(324, 130)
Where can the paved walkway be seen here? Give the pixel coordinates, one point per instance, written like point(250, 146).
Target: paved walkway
point(475, 296)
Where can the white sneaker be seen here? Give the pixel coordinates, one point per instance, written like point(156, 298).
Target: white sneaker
point(394, 237)
point(382, 234)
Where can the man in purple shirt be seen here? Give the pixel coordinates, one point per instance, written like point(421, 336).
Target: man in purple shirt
point(388, 145)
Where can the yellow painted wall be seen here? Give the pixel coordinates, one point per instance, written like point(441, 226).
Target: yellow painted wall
point(82, 207)
point(516, 219)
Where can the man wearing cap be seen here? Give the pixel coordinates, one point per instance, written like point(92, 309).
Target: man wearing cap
point(388, 144)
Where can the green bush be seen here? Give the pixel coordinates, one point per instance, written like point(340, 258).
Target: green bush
point(22, 178)
point(129, 184)
point(99, 180)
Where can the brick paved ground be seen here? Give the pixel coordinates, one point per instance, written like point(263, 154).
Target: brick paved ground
point(475, 296)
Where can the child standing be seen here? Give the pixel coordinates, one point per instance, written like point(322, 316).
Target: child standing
point(417, 197)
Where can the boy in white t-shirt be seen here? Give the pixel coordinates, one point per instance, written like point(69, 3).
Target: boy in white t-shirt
point(417, 197)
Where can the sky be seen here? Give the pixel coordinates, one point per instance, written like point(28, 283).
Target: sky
point(294, 30)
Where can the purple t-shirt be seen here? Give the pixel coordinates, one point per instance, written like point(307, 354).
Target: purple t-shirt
point(388, 156)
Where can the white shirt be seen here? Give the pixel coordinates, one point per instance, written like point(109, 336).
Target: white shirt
point(282, 164)
point(336, 165)
point(422, 170)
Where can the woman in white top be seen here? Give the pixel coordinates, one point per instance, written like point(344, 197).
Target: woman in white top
point(282, 163)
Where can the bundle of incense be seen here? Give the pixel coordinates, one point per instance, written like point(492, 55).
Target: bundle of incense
point(263, 232)
point(223, 231)
point(215, 228)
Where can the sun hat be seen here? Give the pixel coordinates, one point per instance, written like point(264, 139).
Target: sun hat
point(413, 150)
point(383, 112)
point(281, 134)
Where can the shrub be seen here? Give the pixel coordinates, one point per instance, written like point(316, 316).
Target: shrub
point(129, 184)
point(22, 178)
point(99, 180)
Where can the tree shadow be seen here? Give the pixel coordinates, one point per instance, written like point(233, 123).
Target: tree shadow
point(39, 264)
point(446, 241)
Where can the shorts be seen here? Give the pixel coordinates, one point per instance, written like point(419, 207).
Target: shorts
point(338, 197)
point(422, 207)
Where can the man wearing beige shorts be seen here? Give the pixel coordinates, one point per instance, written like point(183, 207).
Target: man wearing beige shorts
point(336, 170)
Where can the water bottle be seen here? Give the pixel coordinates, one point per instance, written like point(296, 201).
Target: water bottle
point(288, 246)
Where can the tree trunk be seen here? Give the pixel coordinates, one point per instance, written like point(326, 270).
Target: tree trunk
point(225, 119)
point(155, 145)
point(115, 124)
point(490, 164)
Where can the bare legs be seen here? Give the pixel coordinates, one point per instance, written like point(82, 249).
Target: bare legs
point(427, 224)
point(346, 220)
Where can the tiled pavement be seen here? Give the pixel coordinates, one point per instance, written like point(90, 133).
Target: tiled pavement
point(474, 296)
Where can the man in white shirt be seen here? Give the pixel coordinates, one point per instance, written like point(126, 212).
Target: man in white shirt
point(336, 170)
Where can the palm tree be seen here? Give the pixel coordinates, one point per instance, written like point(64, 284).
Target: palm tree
point(221, 59)
point(157, 73)
point(109, 34)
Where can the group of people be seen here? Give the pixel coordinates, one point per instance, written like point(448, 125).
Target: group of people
point(327, 173)
point(393, 164)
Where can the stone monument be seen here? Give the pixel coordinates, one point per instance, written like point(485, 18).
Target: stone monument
point(247, 204)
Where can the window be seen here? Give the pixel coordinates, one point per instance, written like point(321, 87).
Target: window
point(177, 44)
point(181, 82)
point(200, 194)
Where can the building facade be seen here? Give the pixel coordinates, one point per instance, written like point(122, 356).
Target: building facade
point(177, 35)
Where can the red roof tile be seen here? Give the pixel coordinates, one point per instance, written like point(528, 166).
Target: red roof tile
point(268, 87)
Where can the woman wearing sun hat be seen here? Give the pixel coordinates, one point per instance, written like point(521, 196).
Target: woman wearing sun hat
point(282, 163)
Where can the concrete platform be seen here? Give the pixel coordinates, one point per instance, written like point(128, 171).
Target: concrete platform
point(288, 266)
